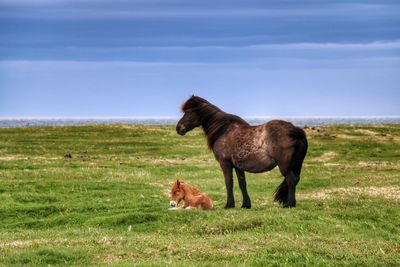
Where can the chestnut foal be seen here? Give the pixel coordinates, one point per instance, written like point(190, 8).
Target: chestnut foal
point(192, 197)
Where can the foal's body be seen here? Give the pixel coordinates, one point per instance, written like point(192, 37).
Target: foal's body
point(191, 196)
point(237, 145)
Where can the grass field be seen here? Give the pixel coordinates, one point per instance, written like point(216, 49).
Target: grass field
point(108, 204)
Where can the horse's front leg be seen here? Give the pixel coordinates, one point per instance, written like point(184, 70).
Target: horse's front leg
point(243, 187)
point(227, 170)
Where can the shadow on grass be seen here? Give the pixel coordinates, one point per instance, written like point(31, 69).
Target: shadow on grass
point(123, 220)
point(229, 227)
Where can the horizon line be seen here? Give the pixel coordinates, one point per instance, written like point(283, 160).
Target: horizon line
point(176, 118)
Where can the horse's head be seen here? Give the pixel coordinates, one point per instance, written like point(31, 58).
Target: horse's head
point(191, 117)
point(177, 194)
point(188, 122)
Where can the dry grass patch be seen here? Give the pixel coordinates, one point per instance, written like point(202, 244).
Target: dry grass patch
point(392, 193)
point(375, 164)
point(12, 158)
point(44, 241)
point(327, 156)
point(368, 136)
point(367, 132)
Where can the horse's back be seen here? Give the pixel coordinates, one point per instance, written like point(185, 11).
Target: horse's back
point(257, 148)
point(283, 133)
point(277, 132)
point(279, 126)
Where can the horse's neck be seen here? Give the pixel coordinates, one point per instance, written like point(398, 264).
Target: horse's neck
point(212, 115)
point(215, 125)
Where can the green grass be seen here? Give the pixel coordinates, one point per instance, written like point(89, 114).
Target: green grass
point(108, 204)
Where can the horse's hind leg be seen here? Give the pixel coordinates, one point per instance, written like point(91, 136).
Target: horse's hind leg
point(287, 190)
point(290, 164)
point(293, 176)
point(243, 187)
point(291, 180)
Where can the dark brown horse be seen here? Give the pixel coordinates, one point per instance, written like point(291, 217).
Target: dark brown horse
point(237, 145)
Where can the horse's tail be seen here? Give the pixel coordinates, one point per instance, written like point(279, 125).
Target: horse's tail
point(281, 192)
point(301, 146)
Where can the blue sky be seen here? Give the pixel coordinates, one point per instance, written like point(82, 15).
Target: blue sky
point(100, 58)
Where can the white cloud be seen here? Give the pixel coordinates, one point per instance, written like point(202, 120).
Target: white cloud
point(58, 2)
point(31, 2)
point(254, 65)
point(333, 46)
point(40, 65)
point(376, 45)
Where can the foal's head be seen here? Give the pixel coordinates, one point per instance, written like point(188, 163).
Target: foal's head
point(177, 194)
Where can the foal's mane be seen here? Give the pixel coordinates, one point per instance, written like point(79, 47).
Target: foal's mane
point(214, 121)
point(192, 189)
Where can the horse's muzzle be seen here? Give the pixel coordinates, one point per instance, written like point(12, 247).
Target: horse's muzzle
point(181, 130)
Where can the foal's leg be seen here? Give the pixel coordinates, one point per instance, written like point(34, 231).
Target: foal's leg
point(230, 200)
point(243, 187)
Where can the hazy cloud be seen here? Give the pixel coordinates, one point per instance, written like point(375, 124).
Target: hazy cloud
point(124, 9)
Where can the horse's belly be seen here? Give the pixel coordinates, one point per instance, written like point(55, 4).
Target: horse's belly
point(255, 162)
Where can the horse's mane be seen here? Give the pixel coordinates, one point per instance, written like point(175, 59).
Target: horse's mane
point(215, 122)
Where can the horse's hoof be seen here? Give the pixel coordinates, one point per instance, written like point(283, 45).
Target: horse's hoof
point(247, 206)
point(288, 206)
point(229, 206)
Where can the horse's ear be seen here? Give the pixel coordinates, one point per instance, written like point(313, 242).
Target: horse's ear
point(178, 183)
